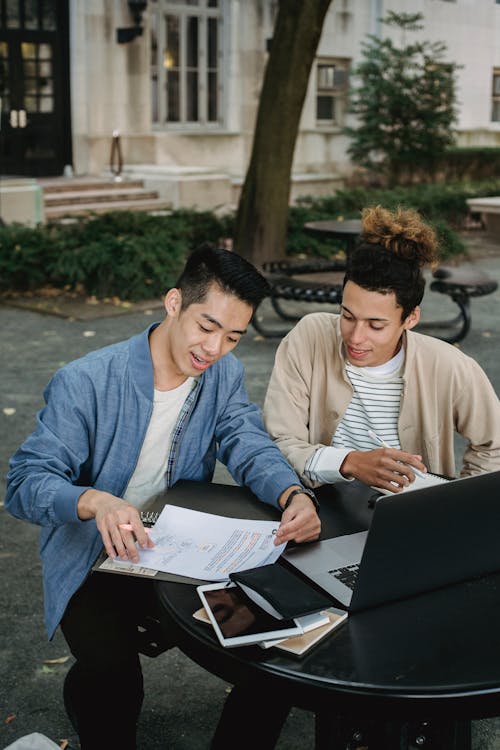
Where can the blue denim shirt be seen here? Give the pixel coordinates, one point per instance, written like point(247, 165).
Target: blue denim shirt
point(90, 433)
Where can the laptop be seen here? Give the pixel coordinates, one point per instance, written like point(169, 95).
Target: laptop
point(418, 542)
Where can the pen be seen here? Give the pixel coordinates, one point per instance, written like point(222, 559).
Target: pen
point(129, 527)
point(381, 442)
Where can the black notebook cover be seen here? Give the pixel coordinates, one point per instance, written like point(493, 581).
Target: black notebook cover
point(287, 594)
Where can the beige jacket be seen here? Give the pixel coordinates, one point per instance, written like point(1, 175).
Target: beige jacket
point(444, 392)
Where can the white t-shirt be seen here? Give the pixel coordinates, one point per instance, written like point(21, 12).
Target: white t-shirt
point(149, 477)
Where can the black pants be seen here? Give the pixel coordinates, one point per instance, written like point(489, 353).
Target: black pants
point(252, 719)
point(103, 690)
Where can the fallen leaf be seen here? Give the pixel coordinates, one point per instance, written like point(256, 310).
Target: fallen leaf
point(9, 718)
point(59, 660)
point(63, 744)
point(88, 334)
point(487, 334)
point(9, 411)
point(47, 670)
point(258, 338)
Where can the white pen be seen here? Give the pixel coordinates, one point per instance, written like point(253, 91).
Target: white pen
point(381, 442)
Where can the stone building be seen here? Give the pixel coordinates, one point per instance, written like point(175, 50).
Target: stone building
point(178, 82)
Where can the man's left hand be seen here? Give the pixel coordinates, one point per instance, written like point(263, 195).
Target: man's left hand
point(299, 522)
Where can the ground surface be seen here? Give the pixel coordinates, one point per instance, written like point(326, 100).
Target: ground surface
point(182, 700)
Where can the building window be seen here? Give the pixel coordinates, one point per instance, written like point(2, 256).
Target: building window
point(28, 15)
point(186, 62)
point(495, 97)
point(332, 77)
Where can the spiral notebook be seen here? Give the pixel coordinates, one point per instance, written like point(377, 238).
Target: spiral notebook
point(420, 481)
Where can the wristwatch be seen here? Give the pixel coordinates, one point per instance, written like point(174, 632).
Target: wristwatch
point(302, 491)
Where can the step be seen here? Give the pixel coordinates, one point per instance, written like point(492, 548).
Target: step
point(98, 196)
point(57, 185)
point(85, 209)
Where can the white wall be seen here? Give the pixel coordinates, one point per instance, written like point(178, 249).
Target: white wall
point(110, 83)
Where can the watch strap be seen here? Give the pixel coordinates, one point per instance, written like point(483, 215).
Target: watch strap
point(302, 491)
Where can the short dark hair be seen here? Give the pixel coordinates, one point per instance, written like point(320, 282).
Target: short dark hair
point(393, 248)
point(233, 274)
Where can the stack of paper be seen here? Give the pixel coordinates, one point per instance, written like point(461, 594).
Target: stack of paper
point(315, 628)
point(313, 633)
point(204, 546)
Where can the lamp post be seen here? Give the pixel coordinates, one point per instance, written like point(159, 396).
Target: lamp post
point(129, 33)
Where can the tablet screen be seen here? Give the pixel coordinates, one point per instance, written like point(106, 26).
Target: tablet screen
point(236, 614)
point(239, 619)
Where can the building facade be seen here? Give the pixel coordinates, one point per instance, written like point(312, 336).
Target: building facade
point(178, 82)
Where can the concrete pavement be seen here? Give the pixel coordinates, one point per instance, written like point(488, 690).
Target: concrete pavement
point(183, 701)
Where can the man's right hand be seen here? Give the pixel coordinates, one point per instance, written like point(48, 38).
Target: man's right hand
point(387, 468)
point(109, 513)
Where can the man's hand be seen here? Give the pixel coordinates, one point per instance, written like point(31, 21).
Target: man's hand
point(109, 512)
point(387, 468)
point(299, 521)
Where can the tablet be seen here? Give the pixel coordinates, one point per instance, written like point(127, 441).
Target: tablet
point(237, 620)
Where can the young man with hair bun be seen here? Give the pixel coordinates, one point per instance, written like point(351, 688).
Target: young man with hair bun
point(363, 395)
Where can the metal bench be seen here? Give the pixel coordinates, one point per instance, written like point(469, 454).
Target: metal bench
point(460, 284)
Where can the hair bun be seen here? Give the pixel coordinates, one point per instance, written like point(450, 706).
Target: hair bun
point(402, 231)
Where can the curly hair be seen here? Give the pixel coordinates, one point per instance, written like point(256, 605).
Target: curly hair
point(393, 248)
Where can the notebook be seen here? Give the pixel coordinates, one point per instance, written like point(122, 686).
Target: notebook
point(431, 537)
point(426, 480)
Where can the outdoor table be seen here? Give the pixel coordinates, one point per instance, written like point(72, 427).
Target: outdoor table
point(421, 667)
point(348, 231)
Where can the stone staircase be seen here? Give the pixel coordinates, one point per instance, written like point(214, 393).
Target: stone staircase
point(83, 196)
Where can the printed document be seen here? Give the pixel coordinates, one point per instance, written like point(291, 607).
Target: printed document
point(208, 547)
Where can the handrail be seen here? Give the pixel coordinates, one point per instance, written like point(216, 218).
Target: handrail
point(115, 156)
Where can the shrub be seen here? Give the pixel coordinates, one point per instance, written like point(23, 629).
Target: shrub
point(126, 266)
point(26, 255)
point(131, 255)
point(440, 205)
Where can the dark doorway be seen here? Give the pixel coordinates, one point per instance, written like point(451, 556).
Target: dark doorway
point(35, 136)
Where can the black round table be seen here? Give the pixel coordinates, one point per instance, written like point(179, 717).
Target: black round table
point(348, 231)
point(431, 658)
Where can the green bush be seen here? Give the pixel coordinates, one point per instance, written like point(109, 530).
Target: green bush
point(125, 266)
point(476, 163)
point(440, 205)
point(125, 254)
point(25, 256)
point(134, 256)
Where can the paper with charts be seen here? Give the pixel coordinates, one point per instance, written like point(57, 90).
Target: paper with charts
point(209, 547)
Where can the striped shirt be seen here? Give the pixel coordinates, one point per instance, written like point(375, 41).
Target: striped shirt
point(374, 405)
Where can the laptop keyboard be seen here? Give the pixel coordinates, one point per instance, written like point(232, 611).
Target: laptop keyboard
point(346, 575)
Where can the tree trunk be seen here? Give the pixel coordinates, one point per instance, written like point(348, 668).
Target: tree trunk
point(261, 220)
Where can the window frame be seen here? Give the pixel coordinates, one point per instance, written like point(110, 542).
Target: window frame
point(182, 11)
point(337, 93)
point(495, 97)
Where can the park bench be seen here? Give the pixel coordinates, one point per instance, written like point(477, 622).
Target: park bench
point(459, 284)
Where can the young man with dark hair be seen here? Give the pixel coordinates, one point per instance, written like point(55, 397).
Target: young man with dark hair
point(339, 382)
point(120, 426)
